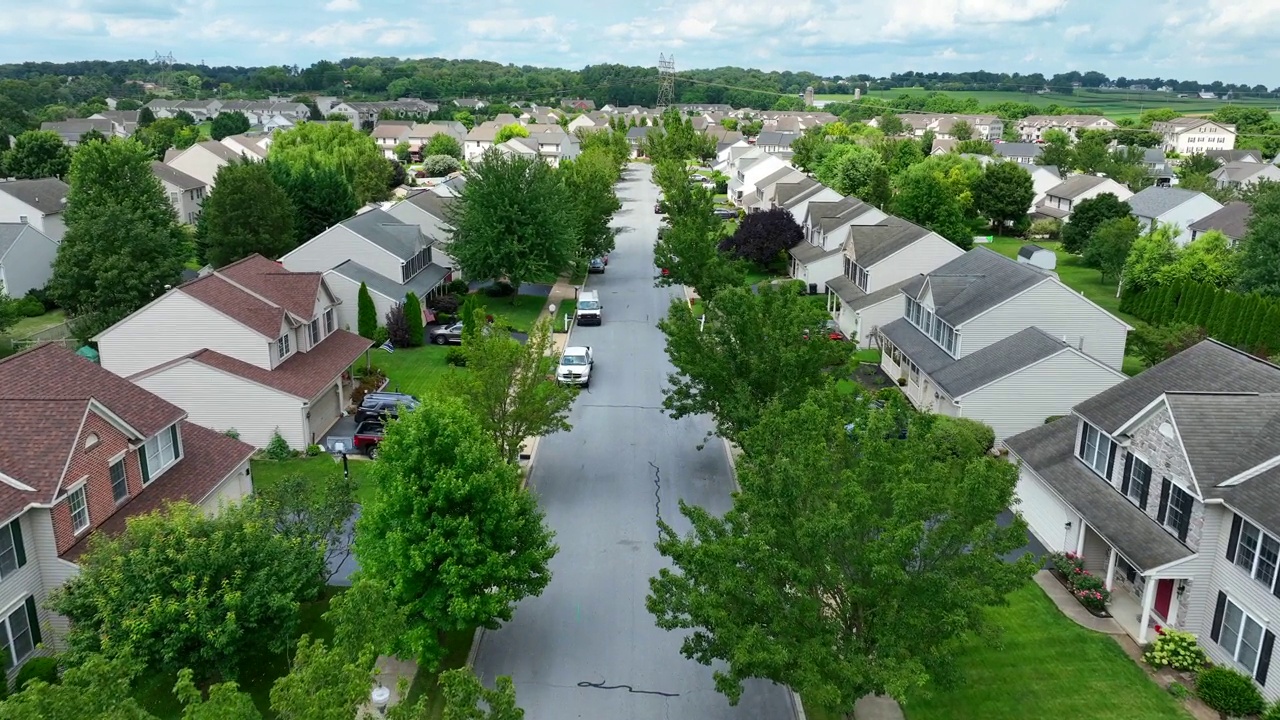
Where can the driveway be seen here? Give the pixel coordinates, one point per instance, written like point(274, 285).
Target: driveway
point(588, 648)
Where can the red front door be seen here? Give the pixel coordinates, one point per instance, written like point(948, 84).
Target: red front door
point(1164, 594)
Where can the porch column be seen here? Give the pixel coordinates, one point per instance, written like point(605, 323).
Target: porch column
point(1111, 568)
point(1080, 537)
point(1148, 599)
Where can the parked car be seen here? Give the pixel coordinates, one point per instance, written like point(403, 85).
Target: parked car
point(596, 265)
point(368, 436)
point(831, 329)
point(446, 334)
point(381, 405)
point(575, 367)
point(725, 213)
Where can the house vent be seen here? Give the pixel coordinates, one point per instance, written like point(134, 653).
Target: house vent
point(1166, 430)
point(91, 441)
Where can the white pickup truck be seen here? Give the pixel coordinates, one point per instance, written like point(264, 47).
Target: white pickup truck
point(575, 367)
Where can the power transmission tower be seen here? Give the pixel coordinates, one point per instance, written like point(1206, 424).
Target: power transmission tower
point(165, 61)
point(666, 81)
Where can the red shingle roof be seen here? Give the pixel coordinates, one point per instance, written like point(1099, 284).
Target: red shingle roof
point(209, 457)
point(305, 375)
point(256, 292)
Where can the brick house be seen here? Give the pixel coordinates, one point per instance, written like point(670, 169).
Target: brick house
point(84, 450)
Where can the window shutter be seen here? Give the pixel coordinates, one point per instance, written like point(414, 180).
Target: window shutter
point(1164, 499)
point(1264, 658)
point(1128, 468)
point(1184, 519)
point(1111, 460)
point(1146, 490)
point(1234, 539)
point(34, 619)
point(1215, 630)
point(142, 463)
point(1084, 438)
point(177, 450)
point(18, 548)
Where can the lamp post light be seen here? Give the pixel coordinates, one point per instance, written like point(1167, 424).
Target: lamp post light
point(380, 697)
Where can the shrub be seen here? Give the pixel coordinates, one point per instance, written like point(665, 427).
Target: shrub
point(398, 330)
point(232, 433)
point(1273, 712)
point(1047, 229)
point(413, 316)
point(445, 304)
point(38, 668)
point(29, 307)
point(502, 288)
point(278, 448)
point(456, 357)
point(1181, 692)
point(1229, 692)
point(1066, 563)
point(1085, 580)
point(380, 335)
point(1095, 600)
point(43, 297)
point(314, 450)
point(457, 287)
point(1177, 649)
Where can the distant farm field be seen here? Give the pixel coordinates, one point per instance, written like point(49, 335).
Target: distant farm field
point(1112, 103)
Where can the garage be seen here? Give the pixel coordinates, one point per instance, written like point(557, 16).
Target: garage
point(323, 412)
point(1046, 515)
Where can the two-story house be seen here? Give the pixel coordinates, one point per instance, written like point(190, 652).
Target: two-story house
point(202, 160)
point(251, 347)
point(1242, 174)
point(1022, 153)
point(479, 139)
point(879, 260)
point(72, 130)
point(1033, 127)
point(762, 197)
point(553, 146)
point(747, 171)
point(185, 193)
point(795, 196)
point(1060, 200)
point(1190, 135)
point(38, 203)
point(26, 259)
point(1166, 485)
point(391, 257)
point(82, 451)
point(1171, 206)
point(387, 134)
point(826, 226)
point(1232, 220)
point(1001, 342)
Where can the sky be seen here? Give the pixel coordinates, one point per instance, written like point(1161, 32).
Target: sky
point(1228, 40)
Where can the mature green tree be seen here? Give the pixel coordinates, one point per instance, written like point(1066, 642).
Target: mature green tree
point(401, 151)
point(762, 237)
point(1091, 154)
point(184, 117)
point(443, 144)
point(790, 355)
point(315, 513)
point(228, 123)
point(688, 250)
point(1196, 165)
point(861, 552)
point(1056, 150)
point(37, 154)
point(513, 130)
point(1153, 344)
point(900, 154)
point(246, 213)
point(1209, 259)
point(849, 169)
point(613, 142)
point(320, 196)
point(323, 683)
point(92, 135)
point(811, 148)
point(449, 530)
point(181, 589)
point(1003, 193)
point(509, 384)
point(466, 118)
point(890, 124)
point(167, 133)
point(589, 181)
point(926, 199)
point(976, 147)
point(1149, 258)
point(145, 116)
point(98, 687)
point(961, 130)
point(224, 702)
point(440, 165)
point(366, 313)
point(464, 696)
point(123, 244)
point(513, 221)
point(1260, 248)
point(1087, 216)
point(413, 316)
point(1109, 247)
point(337, 146)
point(678, 140)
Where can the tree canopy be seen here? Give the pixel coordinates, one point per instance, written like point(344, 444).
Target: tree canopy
point(443, 144)
point(512, 130)
point(860, 552)
point(246, 213)
point(228, 123)
point(1151, 255)
point(589, 181)
point(849, 168)
point(1109, 248)
point(1003, 193)
point(1087, 215)
point(37, 154)
point(762, 237)
point(337, 146)
point(925, 198)
point(320, 196)
point(1260, 248)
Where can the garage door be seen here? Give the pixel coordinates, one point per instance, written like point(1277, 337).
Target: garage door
point(1045, 514)
point(325, 411)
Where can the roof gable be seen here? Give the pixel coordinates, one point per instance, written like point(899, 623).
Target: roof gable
point(1154, 201)
point(874, 243)
point(48, 195)
point(384, 230)
point(978, 281)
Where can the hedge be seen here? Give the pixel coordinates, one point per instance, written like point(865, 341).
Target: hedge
point(1250, 322)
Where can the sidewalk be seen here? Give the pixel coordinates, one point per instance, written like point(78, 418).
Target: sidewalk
point(1072, 607)
point(390, 671)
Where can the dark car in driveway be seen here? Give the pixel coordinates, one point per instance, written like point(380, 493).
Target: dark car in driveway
point(596, 265)
point(381, 405)
point(725, 214)
point(446, 334)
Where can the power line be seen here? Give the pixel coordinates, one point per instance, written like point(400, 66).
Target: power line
point(666, 82)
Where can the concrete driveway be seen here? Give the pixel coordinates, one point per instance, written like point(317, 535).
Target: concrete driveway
point(588, 648)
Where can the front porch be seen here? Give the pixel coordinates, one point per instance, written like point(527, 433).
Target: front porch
point(1140, 599)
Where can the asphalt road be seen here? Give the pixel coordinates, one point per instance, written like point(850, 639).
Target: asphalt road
point(601, 485)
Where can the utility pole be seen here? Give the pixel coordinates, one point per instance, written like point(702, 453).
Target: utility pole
point(666, 82)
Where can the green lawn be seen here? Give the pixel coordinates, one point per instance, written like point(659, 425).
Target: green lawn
point(868, 355)
point(565, 309)
point(520, 311)
point(28, 326)
point(317, 469)
point(458, 646)
point(418, 371)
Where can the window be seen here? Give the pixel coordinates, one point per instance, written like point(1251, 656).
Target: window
point(119, 483)
point(1240, 635)
point(79, 510)
point(159, 453)
point(415, 264)
point(13, 554)
point(1096, 450)
point(328, 321)
point(861, 277)
point(314, 332)
point(20, 633)
point(282, 346)
point(1178, 514)
point(1253, 551)
point(1137, 480)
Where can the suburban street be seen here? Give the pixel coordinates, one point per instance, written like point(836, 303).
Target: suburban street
point(601, 485)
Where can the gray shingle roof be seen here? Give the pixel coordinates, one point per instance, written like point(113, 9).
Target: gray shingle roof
point(853, 297)
point(774, 177)
point(434, 203)
point(420, 284)
point(1237, 171)
point(1017, 149)
point(807, 252)
point(773, 137)
point(873, 243)
point(976, 282)
point(923, 352)
point(1029, 251)
point(384, 230)
point(9, 232)
point(1209, 366)
point(48, 195)
point(831, 215)
point(175, 177)
point(977, 369)
point(1075, 185)
point(1258, 497)
point(1226, 434)
point(1048, 451)
point(789, 191)
point(1155, 201)
point(1231, 220)
point(1226, 156)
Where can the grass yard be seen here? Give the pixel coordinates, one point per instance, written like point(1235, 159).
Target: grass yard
point(418, 371)
point(520, 311)
point(457, 645)
point(27, 326)
point(316, 469)
point(868, 355)
point(565, 309)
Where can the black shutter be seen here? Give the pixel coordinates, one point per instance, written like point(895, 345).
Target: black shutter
point(18, 548)
point(1184, 517)
point(1111, 459)
point(177, 449)
point(1234, 539)
point(1128, 468)
point(1215, 630)
point(1264, 658)
point(1084, 437)
point(1164, 499)
point(34, 619)
point(142, 464)
point(1146, 489)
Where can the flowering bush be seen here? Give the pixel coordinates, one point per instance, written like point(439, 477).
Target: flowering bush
point(1176, 649)
point(1067, 564)
point(1095, 600)
point(1085, 580)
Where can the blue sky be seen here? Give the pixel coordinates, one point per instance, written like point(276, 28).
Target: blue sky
point(1229, 40)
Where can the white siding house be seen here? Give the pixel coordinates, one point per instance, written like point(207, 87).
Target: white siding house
point(1172, 206)
point(26, 259)
point(39, 203)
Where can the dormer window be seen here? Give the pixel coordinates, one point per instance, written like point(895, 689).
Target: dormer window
point(1096, 450)
point(282, 347)
point(160, 453)
point(313, 330)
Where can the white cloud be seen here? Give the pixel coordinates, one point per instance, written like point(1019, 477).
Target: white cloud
point(509, 27)
point(1076, 31)
point(342, 5)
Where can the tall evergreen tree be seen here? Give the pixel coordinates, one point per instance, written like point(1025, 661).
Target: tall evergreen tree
point(413, 317)
point(1260, 248)
point(366, 313)
point(246, 213)
point(1204, 307)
